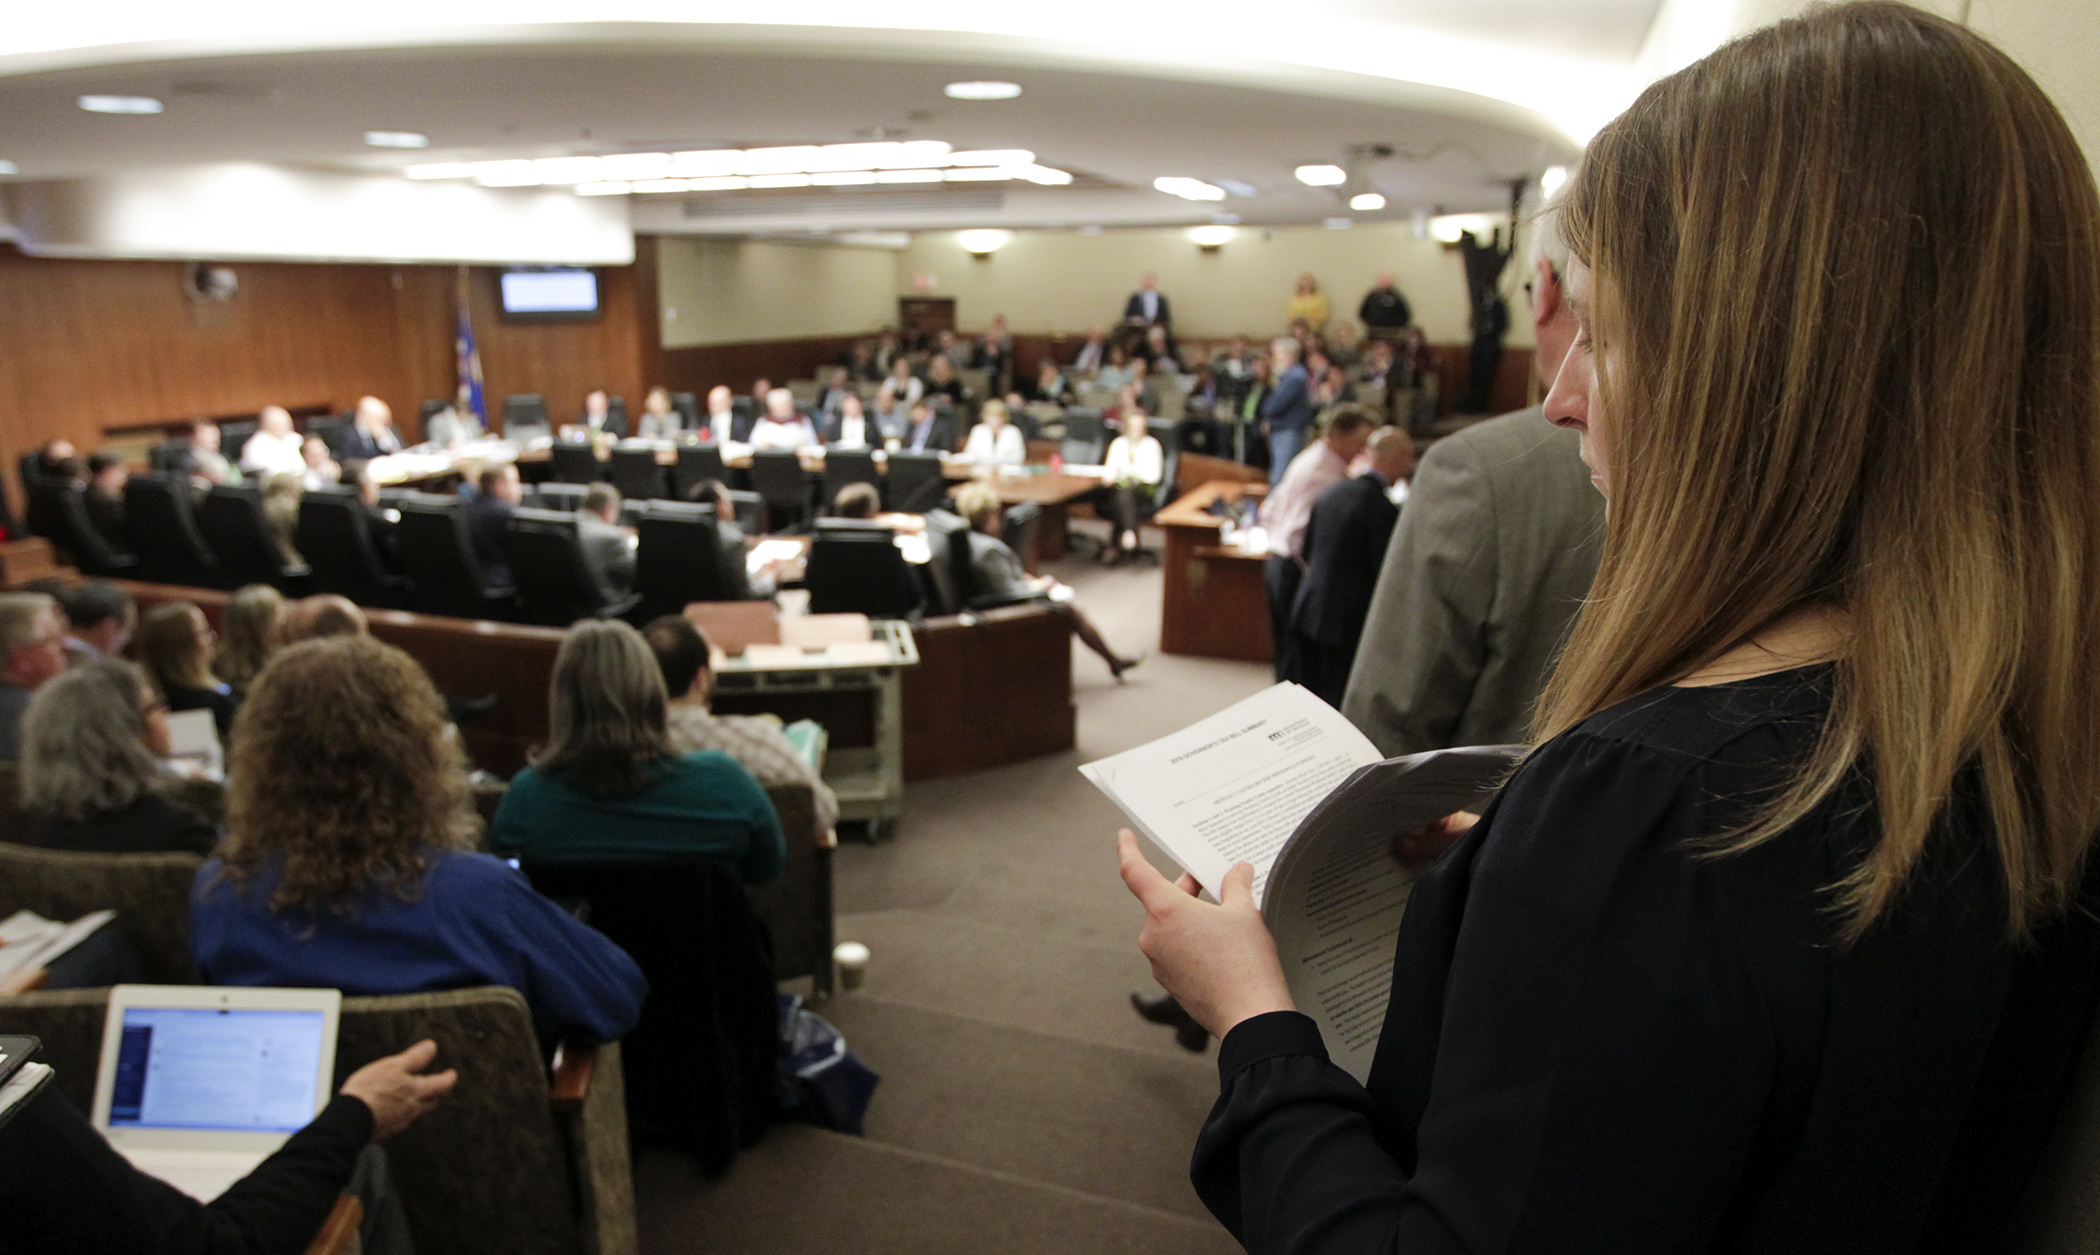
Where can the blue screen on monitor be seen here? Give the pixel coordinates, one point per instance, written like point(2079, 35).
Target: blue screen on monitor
point(550, 292)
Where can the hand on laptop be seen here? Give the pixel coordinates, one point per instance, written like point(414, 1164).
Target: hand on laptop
point(394, 1090)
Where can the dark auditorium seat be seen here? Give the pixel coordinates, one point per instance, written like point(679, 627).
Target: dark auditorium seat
point(567, 498)
point(575, 463)
point(438, 558)
point(554, 583)
point(687, 406)
point(680, 559)
point(63, 509)
point(636, 474)
point(525, 416)
point(697, 463)
point(333, 539)
point(915, 484)
point(777, 476)
point(238, 532)
point(856, 568)
point(848, 466)
point(162, 528)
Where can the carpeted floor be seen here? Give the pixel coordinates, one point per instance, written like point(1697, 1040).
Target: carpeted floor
point(1023, 1106)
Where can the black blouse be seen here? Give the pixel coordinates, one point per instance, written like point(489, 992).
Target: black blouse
point(153, 824)
point(1599, 1041)
point(220, 701)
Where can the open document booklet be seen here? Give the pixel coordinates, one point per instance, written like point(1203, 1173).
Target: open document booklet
point(1282, 781)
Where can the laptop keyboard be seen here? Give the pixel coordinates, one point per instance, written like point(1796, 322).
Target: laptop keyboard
point(201, 1174)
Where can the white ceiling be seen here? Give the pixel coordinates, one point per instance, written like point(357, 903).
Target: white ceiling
point(1110, 102)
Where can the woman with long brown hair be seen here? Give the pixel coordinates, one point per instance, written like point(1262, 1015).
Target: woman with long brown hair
point(1783, 938)
point(348, 860)
point(175, 643)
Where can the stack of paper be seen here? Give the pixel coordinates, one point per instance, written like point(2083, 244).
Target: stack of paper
point(29, 941)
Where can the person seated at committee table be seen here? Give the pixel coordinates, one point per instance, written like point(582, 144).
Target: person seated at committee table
point(659, 420)
point(928, 431)
point(1133, 470)
point(941, 380)
point(1000, 572)
point(739, 582)
point(1050, 387)
point(453, 426)
point(319, 469)
point(371, 433)
point(851, 428)
point(598, 418)
point(94, 741)
point(995, 441)
point(200, 459)
point(273, 446)
point(349, 859)
point(782, 426)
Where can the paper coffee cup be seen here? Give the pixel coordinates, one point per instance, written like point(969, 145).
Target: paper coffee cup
point(852, 960)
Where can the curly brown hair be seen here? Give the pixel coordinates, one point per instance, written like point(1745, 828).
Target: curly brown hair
point(344, 770)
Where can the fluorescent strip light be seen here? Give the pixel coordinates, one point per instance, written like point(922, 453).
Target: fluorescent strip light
point(121, 104)
point(909, 176)
point(612, 187)
point(561, 171)
point(1187, 189)
point(440, 170)
point(992, 157)
point(920, 153)
point(791, 160)
point(704, 163)
point(1043, 175)
point(859, 157)
point(1367, 202)
point(978, 174)
point(635, 166)
point(1211, 236)
point(9, 167)
point(982, 90)
point(506, 173)
point(1322, 176)
point(396, 139)
point(842, 178)
point(653, 186)
point(780, 180)
point(722, 183)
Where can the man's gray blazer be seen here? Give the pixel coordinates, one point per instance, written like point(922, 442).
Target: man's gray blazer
point(609, 553)
point(1485, 573)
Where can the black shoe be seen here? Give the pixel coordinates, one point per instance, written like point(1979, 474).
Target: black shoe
point(1162, 1009)
point(1120, 666)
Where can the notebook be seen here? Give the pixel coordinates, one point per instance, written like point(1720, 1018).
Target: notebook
point(198, 1084)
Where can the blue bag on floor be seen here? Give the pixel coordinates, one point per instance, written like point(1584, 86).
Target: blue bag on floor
point(821, 1080)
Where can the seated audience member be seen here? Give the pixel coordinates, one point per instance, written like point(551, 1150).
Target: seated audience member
point(1093, 354)
point(756, 742)
point(1342, 345)
point(720, 419)
point(1321, 465)
point(273, 447)
point(380, 524)
point(100, 618)
point(928, 431)
point(941, 380)
point(32, 651)
point(608, 787)
point(348, 860)
point(730, 542)
point(1000, 571)
point(452, 426)
point(280, 507)
point(107, 475)
point(1158, 354)
point(907, 386)
point(63, 1187)
point(782, 426)
point(608, 548)
point(836, 388)
point(371, 433)
point(1050, 386)
point(1344, 547)
point(850, 427)
point(92, 781)
point(200, 459)
point(994, 441)
point(860, 362)
point(1135, 467)
point(862, 503)
point(598, 419)
point(318, 469)
point(658, 421)
point(488, 518)
point(994, 353)
point(57, 461)
point(324, 614)
point(254, 624)
point(175, 646)
point(1115, 372)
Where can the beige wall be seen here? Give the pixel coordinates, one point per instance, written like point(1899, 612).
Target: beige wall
point(2059, 43)
point(1065, 281)
point(725, 291)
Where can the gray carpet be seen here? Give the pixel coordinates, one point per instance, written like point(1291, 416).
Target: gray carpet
point(1023, 1106)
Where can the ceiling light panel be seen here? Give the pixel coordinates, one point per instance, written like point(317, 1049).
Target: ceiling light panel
point(563, 171)
point(506, 173)
point(794, 160)
point(1321, 176)
point(440, 170)
point(981, 90)
point(396, 139)
point(1367, 202)
point(637, 166)
point(779, 180)
point(138, 105)
point(1188, 189)
point(989, 157)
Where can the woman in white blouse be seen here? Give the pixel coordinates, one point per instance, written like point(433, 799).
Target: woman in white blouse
point(1136, 467)
point(994, 441)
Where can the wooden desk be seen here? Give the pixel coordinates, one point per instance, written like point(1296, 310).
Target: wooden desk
point(1054, 492)
point(1212, 603)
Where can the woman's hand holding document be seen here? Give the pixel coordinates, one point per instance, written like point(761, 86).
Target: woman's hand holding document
point(1282, 782)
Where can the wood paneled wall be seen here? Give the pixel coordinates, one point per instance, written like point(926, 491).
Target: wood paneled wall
point(701, 367)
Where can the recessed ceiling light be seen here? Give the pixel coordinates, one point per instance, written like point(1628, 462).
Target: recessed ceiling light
point(396, 139)
point(1212, 236)
point(1367, 202)
point(981, 91)
point(1322, 176)
point(1187, 189)
point(120, 104)
point(9, 167)
point(1550, 182)
point(984, 241)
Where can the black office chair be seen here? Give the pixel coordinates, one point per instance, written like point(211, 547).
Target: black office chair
point(636, 474)
point(63, 507)
point(564, 498)
point(525, 417)
point(777, 476)
point(8, 518)
point(43, 514)
point(616, 414)
point(915, 484)
point(554, 582)
point(437, 556)
point(1085, 423)
point(238, 531)
point(233, 438)
point(1019, 527)
point(848, 466)
point(687, 406)
point(743, 416)
point(697, 463)
point(575, 463)
point(750, 511)
point(679, 560)
point(1197, 435)
point(1082, 450)
point(330, 428)
point(31, 471)
point(856, 568)
point(162, 528)
point(164, 458)
point(338, 547)
point(434, 405)
point(971, 590)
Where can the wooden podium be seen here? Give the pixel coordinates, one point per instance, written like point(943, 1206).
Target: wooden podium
point(29, 558)
point(1212, 604)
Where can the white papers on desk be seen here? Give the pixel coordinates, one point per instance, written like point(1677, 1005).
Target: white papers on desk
point(767, 552)
point(28, 940)
point(735, 449)
point(193, 740)
point(1085, 472)
point(916, 548)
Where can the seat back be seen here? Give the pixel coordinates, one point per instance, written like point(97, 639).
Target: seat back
point(1083, 422)
point(233, 439)
point(238, 531)
point(546, 559)
point(575, 463)
point(636, 474)
point(149, 892)
point(616, 412)
point(750, 511)
point(687, 405)
point(563, 498)
point(2060, 1212)
point(848, 466)
point(947, 568)
point(856, 568)
point(437, 555)
point(776, 475)
point(697, 463)
point(64, 508)
point(333, 539)
point(163, 533)
point(679, 559)
point(1019, 527)
point(1081, 451)
point(915, 484)
point(525, 416)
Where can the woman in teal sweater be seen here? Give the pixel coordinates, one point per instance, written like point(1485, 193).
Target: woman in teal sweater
point(607, 788)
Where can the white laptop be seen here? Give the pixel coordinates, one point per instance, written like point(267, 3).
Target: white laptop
point(199, 1084)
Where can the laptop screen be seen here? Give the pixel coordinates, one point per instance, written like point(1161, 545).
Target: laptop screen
point(247, 1070)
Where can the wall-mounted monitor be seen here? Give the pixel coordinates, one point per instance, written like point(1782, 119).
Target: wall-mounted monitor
point(548, 295)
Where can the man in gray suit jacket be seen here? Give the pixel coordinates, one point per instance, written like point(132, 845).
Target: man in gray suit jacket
point(608, 548)
point(1489, 565)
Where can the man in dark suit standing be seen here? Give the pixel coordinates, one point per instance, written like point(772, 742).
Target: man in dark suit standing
point(1147, 307)
point(928, 431)
point(608, 548)
point(488, 518)
point(1345, 544)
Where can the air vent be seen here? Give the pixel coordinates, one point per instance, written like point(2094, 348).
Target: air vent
point(852, 203)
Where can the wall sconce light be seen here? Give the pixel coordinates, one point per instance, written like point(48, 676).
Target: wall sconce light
point(983, 242)
point(1212, 237)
